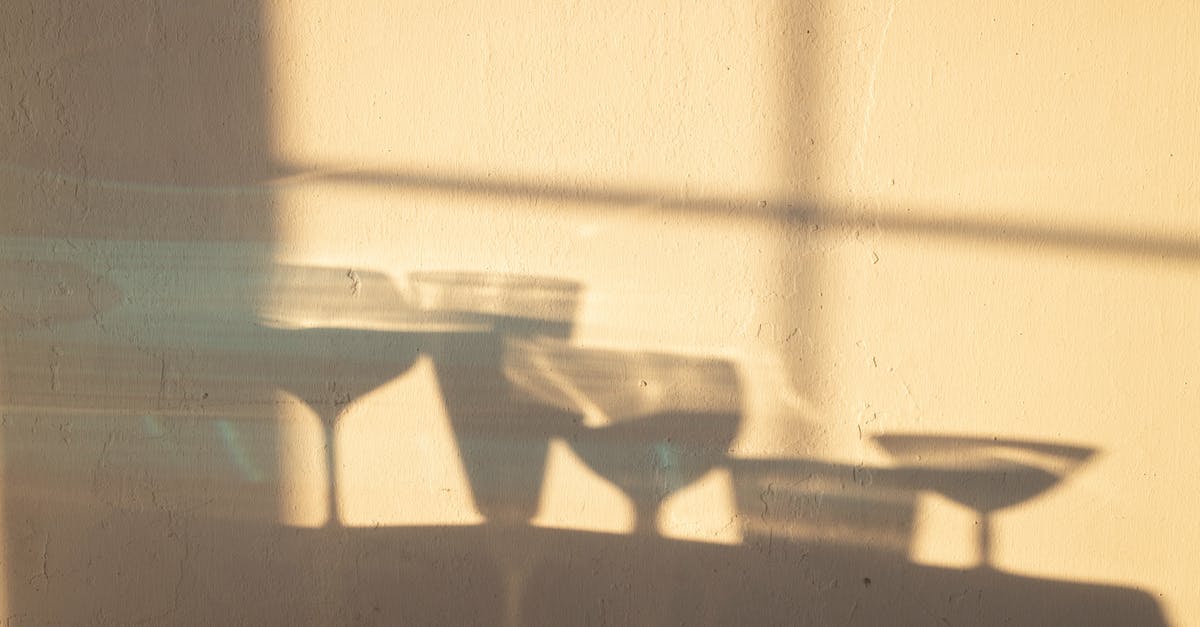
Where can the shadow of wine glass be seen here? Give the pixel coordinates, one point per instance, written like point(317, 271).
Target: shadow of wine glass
point(212, 337)
point(828, 503)
point(984, 474)
point(502, 434)
point(651, 423)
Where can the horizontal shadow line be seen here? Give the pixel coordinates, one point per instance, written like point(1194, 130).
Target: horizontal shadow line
point(784, 210)
point(1023, 234)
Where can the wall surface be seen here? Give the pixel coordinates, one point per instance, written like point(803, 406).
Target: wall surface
point(823, 312)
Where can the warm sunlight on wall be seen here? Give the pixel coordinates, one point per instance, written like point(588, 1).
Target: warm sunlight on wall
point(585, 97)
point(894, 217)
point(436, 138)
point(1020, 260)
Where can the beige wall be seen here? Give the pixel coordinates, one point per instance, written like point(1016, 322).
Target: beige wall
point(905, 218)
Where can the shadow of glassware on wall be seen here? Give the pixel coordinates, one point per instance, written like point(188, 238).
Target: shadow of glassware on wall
point(645, 422)
point(503, 437)
point(824, 543)
point(191, 345)
point(168, 367)
point(985, 474)
point(136, 398)
point(180, 331)
point(651, 423)
point(365, 336)
point(875, 507)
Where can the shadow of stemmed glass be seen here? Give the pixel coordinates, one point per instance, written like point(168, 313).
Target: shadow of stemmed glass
point(652, 423)
point(184, 353)
point(817, 501)
point(502, 434)
point(209, 336)
point(236, 332)
point(985, 474)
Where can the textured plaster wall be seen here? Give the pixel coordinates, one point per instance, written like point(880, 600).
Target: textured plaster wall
point(975, 219)
point(1051, 148)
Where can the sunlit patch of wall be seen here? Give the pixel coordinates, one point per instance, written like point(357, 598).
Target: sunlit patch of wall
point(402, 467)
point(878, 286)
point(1012, 251)
point(628, 147)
